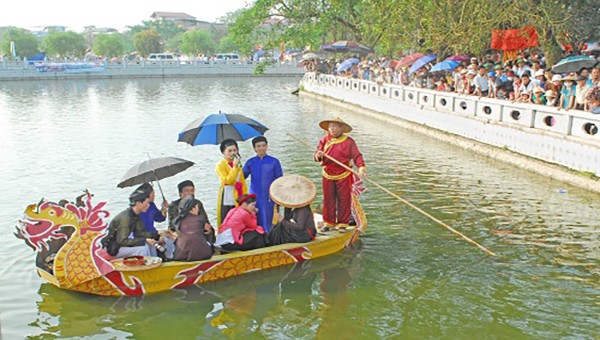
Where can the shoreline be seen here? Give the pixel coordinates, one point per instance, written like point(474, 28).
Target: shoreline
point(25, 72)
point(550, 170)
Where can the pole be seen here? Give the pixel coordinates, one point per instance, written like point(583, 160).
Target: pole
point(399, 198)
point(157, 182)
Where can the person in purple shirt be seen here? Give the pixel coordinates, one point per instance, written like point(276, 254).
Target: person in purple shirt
point(166, 242)
point(263, 170)
point(153, 214)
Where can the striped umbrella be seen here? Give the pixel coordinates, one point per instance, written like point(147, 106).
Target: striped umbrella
point(217, 127)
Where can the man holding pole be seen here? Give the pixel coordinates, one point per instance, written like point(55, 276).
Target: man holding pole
point(337, 180)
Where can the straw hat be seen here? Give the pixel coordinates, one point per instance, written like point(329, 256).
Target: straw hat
point(345, 126)
point(550, 94)
point(293, 191)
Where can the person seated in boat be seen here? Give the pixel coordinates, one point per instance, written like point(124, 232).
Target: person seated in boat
point(131, 235)
point(153, 214)
point(195, 234)
point(295, 193)
point(239, 230)
point(185, 188)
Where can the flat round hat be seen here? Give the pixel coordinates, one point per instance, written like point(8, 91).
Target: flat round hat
point(324, 124)
point(293, 191)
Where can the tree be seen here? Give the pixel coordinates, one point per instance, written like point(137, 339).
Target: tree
point(197, 42)
point(109, 45)
point(26, 44)
point(228, 44)
point(147, 42)
point(65, 44)
point(166, 29)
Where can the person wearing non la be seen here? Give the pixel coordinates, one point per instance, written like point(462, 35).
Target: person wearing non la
point(297, 225)
point(262, 169)
point(337, 181)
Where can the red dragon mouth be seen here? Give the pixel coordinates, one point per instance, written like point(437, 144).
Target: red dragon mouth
point(39, 232)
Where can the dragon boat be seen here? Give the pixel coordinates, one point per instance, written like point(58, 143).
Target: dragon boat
point(70, 256)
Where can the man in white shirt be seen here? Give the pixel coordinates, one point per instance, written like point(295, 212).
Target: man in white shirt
point(482, 85)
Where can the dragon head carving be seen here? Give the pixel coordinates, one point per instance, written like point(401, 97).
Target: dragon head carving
point(44, 221)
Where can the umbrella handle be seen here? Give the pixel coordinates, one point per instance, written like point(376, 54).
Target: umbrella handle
point(157, 182)
point(159, 187)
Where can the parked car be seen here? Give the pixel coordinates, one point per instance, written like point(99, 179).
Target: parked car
point(227, 58)
point(158, 57)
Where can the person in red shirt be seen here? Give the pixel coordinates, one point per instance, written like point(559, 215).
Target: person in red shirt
point(239, 230)
point(337, 181)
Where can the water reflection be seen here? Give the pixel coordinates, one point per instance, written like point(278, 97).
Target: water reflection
point(300, 301)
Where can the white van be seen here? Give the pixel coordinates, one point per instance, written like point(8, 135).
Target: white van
point(227, 58)
point(156, 57)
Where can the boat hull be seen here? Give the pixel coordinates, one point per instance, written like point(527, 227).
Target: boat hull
point(173, 275)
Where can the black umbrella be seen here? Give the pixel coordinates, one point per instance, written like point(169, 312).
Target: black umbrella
point(154, 169)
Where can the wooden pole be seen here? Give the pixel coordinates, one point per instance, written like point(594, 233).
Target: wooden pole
point(399, 198)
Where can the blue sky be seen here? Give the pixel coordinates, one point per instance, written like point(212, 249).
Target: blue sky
point(107, 13)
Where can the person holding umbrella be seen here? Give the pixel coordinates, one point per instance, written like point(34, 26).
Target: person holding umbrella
point(233, 184)
point(153, 214)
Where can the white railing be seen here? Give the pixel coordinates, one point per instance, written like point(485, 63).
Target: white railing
point(569, 138)
point(568, 123)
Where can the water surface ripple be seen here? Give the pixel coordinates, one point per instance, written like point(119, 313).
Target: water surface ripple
point(408, 277)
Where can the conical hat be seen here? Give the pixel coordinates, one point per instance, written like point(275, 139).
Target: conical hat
point(345, 126)
point(293, 191)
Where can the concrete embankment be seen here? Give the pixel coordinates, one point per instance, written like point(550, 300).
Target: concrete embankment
point(23, 71)
point(562, 145)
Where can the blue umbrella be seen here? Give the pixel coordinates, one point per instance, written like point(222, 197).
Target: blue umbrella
point(217, 127)
point(574, 64)
point(446, 65)
point(421, 62)
point(346, 64)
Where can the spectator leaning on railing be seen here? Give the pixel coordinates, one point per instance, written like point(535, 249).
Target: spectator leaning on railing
point(581, 91)
point(523, 81)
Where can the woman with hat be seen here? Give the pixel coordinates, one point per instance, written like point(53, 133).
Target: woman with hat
point(337, 181)
point(233, 184)
point(567, 93)
point(239, 230)
point(297, 225)
point(195, 239)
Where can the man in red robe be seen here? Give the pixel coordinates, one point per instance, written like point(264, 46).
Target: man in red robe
point(337, 181)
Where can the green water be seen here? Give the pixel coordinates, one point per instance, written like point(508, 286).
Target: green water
point(408, 278)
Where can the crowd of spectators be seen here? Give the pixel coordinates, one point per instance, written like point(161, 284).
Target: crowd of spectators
point(527, 79)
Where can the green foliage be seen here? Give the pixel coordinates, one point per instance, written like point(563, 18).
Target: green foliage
point(147, 42)
point(65, 44)
point(197, 42)
point(166, 29)
point(109, 45)
point(444, 27)
point(228, 44)
point(26, 44)
point(261, 67)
